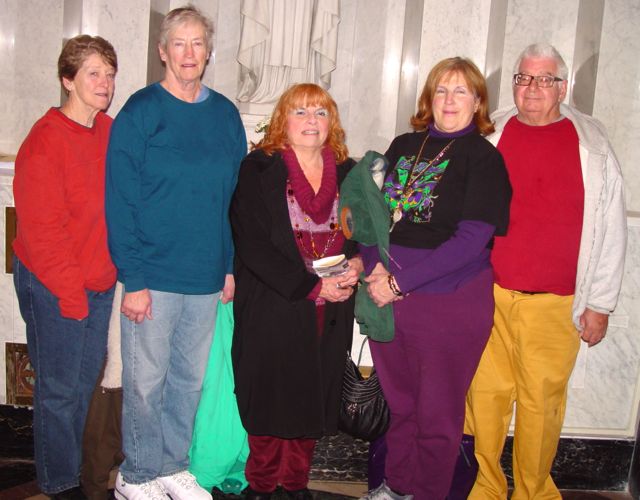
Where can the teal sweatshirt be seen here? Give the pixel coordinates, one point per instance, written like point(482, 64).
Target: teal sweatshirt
point(172, 167)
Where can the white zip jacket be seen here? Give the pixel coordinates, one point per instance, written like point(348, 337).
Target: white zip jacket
point(604, 226)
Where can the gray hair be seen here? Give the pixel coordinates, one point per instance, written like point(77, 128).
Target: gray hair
point(543, 50)
point(183, 15)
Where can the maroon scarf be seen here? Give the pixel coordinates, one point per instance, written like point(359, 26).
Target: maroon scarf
point(317, 206)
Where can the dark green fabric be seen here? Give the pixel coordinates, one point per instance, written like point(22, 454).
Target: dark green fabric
point(219, 448)
point(369, 223)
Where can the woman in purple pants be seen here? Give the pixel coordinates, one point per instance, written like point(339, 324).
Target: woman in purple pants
point(448, 195)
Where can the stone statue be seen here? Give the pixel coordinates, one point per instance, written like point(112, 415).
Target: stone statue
point(284, 42)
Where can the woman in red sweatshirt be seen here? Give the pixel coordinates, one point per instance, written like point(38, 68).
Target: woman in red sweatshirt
point(62, 271)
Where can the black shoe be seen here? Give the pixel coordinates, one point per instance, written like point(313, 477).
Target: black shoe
point(303, 494)
point(218, 494)
point(250, 494)
point(70, 494)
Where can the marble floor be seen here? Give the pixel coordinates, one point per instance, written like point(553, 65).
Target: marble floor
point(321, 490)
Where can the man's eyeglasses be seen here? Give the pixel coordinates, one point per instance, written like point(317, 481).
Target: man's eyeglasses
point(544, 81)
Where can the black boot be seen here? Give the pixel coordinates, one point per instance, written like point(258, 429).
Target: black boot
point(70, 494)
point(250, 494)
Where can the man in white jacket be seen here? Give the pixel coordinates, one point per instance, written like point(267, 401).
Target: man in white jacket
point(558, 273)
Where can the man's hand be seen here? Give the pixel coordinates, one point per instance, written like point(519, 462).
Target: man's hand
point(136, 306)
point(594, 326)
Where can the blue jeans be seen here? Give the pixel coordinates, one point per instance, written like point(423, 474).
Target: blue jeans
point(67, 356)
point(164, 361)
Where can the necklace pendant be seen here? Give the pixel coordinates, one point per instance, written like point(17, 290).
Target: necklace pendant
point(397, 215)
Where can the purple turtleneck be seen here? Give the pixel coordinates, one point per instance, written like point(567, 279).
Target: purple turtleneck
point(434, 132)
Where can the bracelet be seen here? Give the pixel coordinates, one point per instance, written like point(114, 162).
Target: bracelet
point(394, 286)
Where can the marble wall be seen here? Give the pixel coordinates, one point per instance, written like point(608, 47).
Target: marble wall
point(604, 389)
point(385, 50)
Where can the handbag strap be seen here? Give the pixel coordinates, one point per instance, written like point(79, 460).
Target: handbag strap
point(361, 349)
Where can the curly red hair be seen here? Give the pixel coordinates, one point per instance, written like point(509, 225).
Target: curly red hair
point(303, 95)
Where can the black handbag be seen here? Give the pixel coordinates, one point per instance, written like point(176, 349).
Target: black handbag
point(364, 413)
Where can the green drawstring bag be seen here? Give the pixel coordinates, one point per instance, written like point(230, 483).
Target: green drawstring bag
point(364, 217)
point(219, 448)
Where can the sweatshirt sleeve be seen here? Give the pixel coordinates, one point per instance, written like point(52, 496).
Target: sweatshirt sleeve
point(43, 217)
point(602, 295)
point(125, 156)
point(240, 151)
point(466, 244)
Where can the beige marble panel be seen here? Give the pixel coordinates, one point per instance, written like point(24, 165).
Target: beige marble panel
point(453, 29)
point(372, 100)
point(225, 50)
point(126, 25)
point(30, 45)
point(551, 21)
point(604, 391)
point(617, 99)
point(341, 81)
point(408, 84)
point(585, 56)
point(7, 77)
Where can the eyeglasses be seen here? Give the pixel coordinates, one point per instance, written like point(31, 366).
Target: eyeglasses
point(544, 81)
point(304, 113)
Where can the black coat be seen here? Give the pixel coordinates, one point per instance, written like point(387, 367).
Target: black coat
point(287, 377)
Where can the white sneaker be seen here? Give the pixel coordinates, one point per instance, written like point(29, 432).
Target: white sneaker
point(383, 492)
point(183, 486)
point(151, 490)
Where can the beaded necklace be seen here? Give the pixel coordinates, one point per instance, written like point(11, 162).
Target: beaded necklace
point(302, 222)
point(407, 189)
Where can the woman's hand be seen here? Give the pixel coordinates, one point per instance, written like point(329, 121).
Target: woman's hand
point(337, 288)
point(229, 289)
point(356, 264)
point(136, 306)
point(379, 289)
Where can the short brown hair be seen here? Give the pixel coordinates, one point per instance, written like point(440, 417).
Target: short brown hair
point(476, 83)
point(303, 94)
point(77, 49)
point(184, 15)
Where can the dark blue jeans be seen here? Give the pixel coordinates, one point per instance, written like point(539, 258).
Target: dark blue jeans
point(67, 356)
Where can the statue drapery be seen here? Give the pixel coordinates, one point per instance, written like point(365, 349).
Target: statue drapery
point(284, 42)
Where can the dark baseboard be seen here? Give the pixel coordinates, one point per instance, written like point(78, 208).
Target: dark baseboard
point(586, 464)
point(581, 464)
point(634, 474)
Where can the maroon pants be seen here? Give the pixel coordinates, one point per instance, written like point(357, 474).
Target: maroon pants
point(274, 461)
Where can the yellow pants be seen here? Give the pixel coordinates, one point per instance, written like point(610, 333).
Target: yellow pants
point(528, 360)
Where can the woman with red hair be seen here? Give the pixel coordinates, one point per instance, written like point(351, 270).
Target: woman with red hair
point(292, 327)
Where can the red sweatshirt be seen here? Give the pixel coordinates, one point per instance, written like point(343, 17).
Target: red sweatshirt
point(59, 197)
point(540, 251)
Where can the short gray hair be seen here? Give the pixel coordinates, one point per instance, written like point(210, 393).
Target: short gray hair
point(543, 50)
point(183, 15)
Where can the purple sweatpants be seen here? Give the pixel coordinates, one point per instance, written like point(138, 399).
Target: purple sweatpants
point(425, 372)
